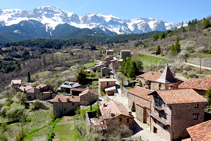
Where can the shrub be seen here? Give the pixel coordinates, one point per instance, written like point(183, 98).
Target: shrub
point(35, 105)
point(140, 83)
point(15, 111)
point(77, 111)
point(102, 93)
point(83, 112)
point(158, 50)
point(20, 136)
point(162, 54)
point(52, 116)
point(4, 126)
point(4, 111)
point(28, 119)
point(3, 137)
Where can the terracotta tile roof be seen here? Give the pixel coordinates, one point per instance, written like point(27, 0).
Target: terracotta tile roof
point(64, 98)
point(25, 88)
point(74, 79)
point(200, 132)
point(167, 76)
point(125, 50)
point(179, 96)
point(40, 86)
point(205, 83)
point(190, 83)
point(30, 90)
point(145, 104)
point(15, 82)
point(151, 76)
point(113, 109)
point(88, 91)
point(78, 89)
point(188, 139)
point(141, 92)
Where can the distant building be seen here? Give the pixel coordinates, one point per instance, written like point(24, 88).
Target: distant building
point(28, 90)
point(63, 105)
point(67, 86)
point(109, 52)
point(172, 111)
point(200, 132)
point(107, 85)
point(105, 71)
point(124, 53)
point(16, 83)
point(114, 114)
point(43, 92)
point(88, 96)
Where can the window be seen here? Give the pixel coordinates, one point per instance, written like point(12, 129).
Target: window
point(195, 116)
point(72, 104)
point(120, 119)
point(196, 105)
point(128, 120)
point(107, 83)
point(64, 109)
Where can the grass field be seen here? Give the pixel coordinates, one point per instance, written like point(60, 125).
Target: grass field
point(147, 60)
point(89, 65)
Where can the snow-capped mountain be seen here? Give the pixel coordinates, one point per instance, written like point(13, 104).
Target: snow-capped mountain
point(51, 17)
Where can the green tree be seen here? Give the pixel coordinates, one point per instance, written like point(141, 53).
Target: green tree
point(175, 48)
point(82, 77)
point(208, 95)
point(20, 97)
point(29, 77)
point(158, 50)
point(206, 23)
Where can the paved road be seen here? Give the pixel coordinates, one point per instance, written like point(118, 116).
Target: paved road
point(198, 66)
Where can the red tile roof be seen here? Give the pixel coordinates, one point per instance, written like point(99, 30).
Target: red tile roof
point(74, 79)
point(78, 89)
point(25, 88)
point(40, 86)
point(178, 96)
point(141, 92)
point(115, 108)
point(199, 84)
point(205, 83)
point(88, 91)
point(200, 132)
point(15, 82)
point(64, 98)
point(30, 90)
point(151, 76)
point(190, 83)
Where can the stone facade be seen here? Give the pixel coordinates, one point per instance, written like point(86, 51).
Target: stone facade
point(43, 93)
point(60, 109)
point(124, 53)
point(105, 71)
point(170, 121)
point(109, 52)
point(103, 83)
point(88, 98)
point(136, 103)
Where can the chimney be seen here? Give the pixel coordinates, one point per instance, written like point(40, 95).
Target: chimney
point(68, 99)
point(58, 98)
point(104, 105)
point(72, 96)
point(112, 114)
point(130, 113)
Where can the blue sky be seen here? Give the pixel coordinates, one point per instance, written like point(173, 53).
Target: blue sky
point(170, 10)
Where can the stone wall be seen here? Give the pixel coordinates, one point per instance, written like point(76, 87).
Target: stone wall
point(89, 114)
point(60, 109)
point(88, 98)
point(204, 61)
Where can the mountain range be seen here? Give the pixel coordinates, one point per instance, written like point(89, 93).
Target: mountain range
point(51, 22)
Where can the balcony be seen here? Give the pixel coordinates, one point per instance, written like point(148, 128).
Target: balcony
point(158, 107)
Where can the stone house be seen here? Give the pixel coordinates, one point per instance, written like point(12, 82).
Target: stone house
point(107, 61)
point(88, 96)
point(105, 71)
point(107, 83)
point(158, 81)
point(139, 101)
point(28, 90)
point(99, 67)
point(199, 85)
point(114, 114)
point(172, 111)
point(67, 86)
point(200, 132)
point(115, 63)
point(43, 91)
point(16, 83)
point(65, 104)
point(109, 52)
point(124, 53)
point(76, 91)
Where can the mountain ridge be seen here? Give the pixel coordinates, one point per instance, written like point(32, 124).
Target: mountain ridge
point(51, 17)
